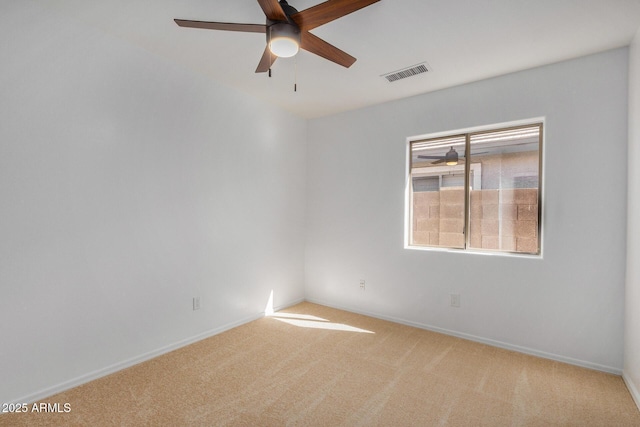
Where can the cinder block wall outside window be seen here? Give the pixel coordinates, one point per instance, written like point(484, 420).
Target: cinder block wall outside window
point(500, 219)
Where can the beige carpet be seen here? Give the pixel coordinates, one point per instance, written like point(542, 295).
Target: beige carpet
point(311, 365)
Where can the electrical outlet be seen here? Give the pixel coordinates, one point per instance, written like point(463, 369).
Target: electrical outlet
point(196, 303)
point(362, 284)
point(455, 300)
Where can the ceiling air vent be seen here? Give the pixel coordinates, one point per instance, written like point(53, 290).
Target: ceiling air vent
point(414, 70)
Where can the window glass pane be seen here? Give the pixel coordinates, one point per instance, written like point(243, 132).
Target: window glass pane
point(426, 183)
point(453, 180)
point(437, 193)
point(504, 205)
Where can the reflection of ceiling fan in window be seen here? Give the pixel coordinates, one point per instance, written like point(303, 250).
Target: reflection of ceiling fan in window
point(451, 158)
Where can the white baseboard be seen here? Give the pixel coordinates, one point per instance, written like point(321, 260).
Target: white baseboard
point(83, 379)
point(482, 340)
point(49, 391)
point(633, 390)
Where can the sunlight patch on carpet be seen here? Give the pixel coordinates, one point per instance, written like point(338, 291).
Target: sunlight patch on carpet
point(301, 323)
point(299, 316)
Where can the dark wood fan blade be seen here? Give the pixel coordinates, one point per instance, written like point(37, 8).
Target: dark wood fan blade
point(266, 61)
point(328, 11)
point(316, 45)
point(431, 157)
point(226, 26)
point(273, 10)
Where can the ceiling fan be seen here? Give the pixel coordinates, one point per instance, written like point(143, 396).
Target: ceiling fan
point(287, 29)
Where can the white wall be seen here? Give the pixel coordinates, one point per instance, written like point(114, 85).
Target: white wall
point(632, 318)
point(568, 305)
point(128, 186)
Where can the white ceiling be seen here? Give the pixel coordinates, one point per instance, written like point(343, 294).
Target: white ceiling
point(461, 40)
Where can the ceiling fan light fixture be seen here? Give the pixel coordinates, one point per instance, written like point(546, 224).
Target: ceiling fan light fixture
point(451, 158)
point(284, 39)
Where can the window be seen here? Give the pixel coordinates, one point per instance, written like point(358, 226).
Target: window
point(478, 191)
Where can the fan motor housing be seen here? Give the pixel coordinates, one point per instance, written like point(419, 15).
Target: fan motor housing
point(283, 29)
point(287, 8)
point(286, 28)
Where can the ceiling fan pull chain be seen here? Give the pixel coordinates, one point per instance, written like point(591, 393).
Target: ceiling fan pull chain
point(270, 53)
point(295, 73)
